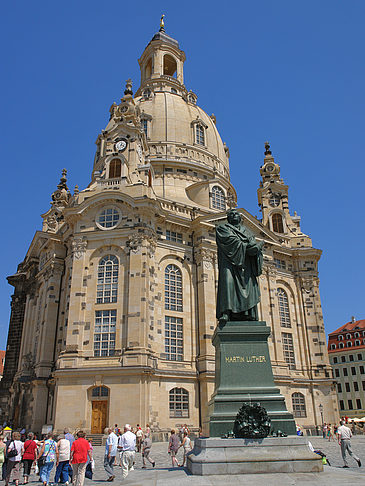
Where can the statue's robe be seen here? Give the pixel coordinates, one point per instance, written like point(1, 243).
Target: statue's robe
point(239, 263)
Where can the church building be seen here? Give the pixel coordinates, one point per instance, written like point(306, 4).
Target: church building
point(113, 309)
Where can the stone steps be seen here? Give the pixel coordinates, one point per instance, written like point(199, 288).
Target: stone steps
point(96, 438)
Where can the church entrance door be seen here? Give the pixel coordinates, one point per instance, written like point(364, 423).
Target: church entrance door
point(99, 416)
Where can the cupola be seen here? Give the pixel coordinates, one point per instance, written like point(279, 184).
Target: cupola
point(162, 61)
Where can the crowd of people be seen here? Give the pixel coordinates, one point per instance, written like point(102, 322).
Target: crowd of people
point(70, 458)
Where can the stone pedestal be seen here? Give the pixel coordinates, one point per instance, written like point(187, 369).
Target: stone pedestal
point(253, 456)
point(244, 374)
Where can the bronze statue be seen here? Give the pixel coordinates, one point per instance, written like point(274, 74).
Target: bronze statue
point(239, 264)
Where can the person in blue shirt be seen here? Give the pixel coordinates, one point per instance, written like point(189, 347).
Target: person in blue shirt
point(111, 448)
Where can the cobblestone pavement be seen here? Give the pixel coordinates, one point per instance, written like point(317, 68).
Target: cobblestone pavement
point(164, 475)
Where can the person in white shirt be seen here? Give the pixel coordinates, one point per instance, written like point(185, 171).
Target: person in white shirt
point(344, 435)
point(111, 446)
point(128, 443)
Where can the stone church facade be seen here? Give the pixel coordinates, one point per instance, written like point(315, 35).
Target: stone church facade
point(114, 304)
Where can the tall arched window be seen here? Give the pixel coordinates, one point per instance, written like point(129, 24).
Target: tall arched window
point(169, 65)
point(218, 199)
point(349, 344)
point(277, 223)
point(341, 345)
point(284, 313)
point(333, 346)
point(199, 134)
point(107, 287)
point(298, 402)
point(173, 288)
point(179, 402)
point(115, 169)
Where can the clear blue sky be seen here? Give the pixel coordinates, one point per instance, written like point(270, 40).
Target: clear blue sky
point(288, 71)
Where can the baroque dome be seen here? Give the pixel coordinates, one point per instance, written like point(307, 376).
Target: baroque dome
point(172, 120)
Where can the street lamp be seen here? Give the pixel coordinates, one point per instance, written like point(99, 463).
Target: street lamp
point(321, 412)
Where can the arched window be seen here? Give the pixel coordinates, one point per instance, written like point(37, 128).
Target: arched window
point(148, 70)
point(284, 313)
point(357, 342)
point(144, 125)
point(173, 288)
point(341, 346)
point(115, 169)
point(107, 286)
point(218, 199)
point(298, 402)
point(100, 391)
point(179, 402)
point(277, 223)
point(349, 344)
point(340, 337)
point(199, 134)
point(333, 346)
point(357, 335)
point(348, 336)
point(169, 65)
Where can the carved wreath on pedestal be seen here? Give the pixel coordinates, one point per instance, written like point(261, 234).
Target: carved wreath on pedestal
point(252, 422)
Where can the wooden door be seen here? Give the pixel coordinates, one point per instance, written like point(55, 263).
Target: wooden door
point(99, 416)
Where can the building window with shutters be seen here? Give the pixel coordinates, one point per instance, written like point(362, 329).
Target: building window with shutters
point(179, 402)
point(277, 223)
point(284, 313)
point(107, 286)
point(298, 402)
point(115, 169)
point(288, 349)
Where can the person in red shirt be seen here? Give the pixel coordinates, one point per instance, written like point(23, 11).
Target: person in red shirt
point(29, 456)
point(80, 450)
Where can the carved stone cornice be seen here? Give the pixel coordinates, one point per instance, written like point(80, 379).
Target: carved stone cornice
point(145, 238)
point(205, 257)
point(78, 247)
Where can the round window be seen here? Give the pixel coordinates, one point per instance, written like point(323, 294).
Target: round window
point(275, 200)
point(108, 218)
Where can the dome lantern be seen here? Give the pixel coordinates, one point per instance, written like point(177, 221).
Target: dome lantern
point(162, 61)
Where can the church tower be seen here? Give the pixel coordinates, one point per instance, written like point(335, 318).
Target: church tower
point(117, 292)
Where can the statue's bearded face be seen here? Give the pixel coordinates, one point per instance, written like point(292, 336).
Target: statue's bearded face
point(234, 218)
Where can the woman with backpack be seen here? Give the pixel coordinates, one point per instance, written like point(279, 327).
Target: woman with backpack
point(14, 454)
point(47, 458)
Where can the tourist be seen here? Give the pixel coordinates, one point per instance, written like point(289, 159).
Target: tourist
point(146, 449)
point(47, 458)
point(147, 431)
point(186, 445)
point(139, 437)
point(80, 451)
point(29, 456)
point(324, 430)
point(128, 443)
point(2, 451)
point(69, 436)
point(173, 447)
point(14, 455)
point(344, 435)
point(111, 448)
point(63, 460)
